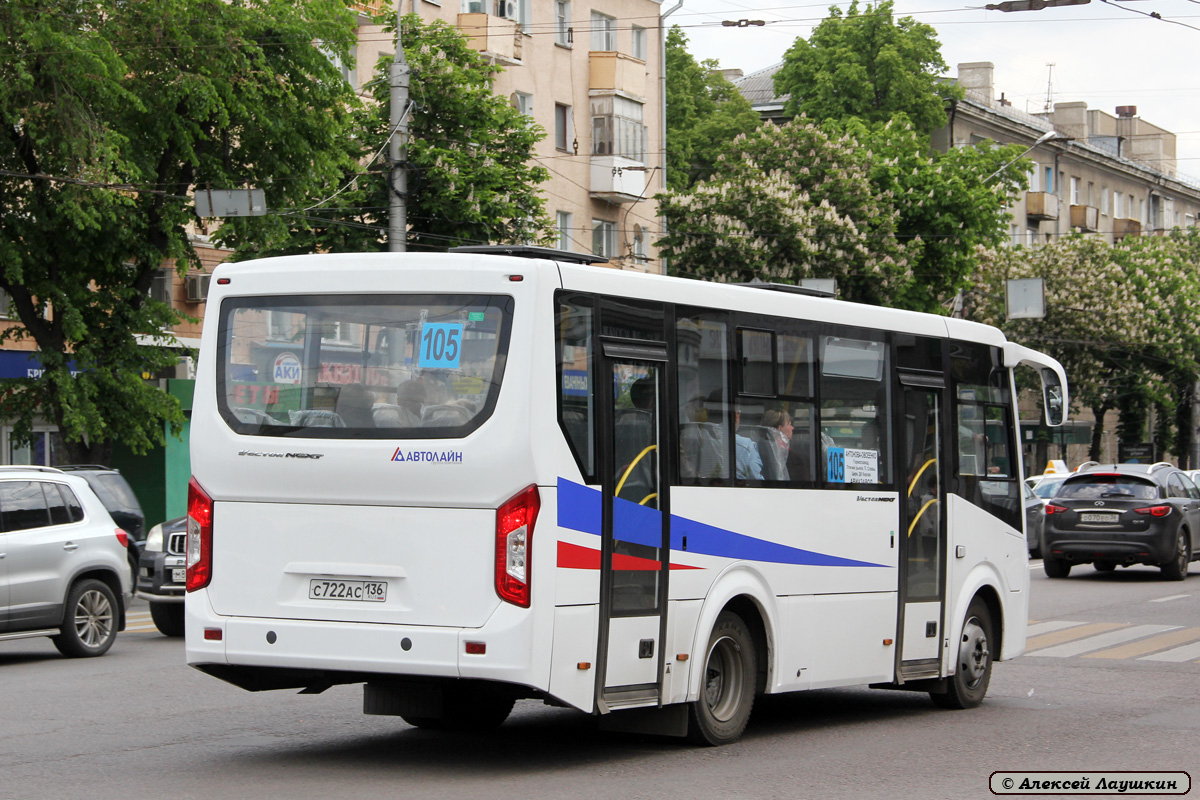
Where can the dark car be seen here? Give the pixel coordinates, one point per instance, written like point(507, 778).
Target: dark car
point(1035, 517)
point(1123, 514)
point(120, 502)
point(161, 575)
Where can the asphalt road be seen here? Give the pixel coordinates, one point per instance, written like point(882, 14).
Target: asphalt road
point(1109, 684)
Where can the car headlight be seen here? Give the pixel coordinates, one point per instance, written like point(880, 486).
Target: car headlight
point(154, 542)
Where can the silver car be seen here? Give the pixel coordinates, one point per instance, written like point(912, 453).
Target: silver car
point(64, 570)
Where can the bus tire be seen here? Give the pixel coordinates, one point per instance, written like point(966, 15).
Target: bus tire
point(467, 709)
point(973, 661)
point(719, 715)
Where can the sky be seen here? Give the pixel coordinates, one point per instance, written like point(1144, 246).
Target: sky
point(1106, 54)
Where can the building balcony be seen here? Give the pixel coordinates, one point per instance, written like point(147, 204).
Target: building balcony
point(1085, 218)
point(616, 179)
point(498, 38)
point(1041, 205)
point(616, 72)
point(1126, 227)
point(371, 7)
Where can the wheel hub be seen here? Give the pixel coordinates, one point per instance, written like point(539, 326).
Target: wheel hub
point(973, 653)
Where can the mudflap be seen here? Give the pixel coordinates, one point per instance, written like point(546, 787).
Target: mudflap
point(669, 720)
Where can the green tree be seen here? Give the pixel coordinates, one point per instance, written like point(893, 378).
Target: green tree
point(112, 112)
point(1118, 317)
point(947, 204)
point(788, 202)
point(868, 65)
point(471, 177)
point(704, 113)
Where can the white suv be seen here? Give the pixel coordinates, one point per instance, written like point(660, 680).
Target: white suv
point(64, 570)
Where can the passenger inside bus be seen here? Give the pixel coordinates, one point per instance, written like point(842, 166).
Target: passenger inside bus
point(354, 406)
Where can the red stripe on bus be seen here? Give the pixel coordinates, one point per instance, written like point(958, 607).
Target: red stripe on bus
point(573, 556)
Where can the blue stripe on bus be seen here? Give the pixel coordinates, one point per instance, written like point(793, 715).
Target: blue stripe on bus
point(579, 510)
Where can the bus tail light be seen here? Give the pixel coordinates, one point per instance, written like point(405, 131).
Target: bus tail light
point(514, 535)
point(199, 537)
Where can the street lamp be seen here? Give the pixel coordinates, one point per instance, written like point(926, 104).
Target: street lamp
point(1048, 136)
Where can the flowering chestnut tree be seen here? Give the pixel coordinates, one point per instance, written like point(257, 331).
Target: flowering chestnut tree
point(1120, 319)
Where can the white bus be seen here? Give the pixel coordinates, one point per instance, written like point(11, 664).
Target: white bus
point(468, 478)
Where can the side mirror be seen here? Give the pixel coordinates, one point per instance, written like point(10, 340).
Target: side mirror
point(1052, 396)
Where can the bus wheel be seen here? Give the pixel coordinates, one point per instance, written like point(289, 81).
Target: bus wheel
point(474, 708)
point(973, 667)
point(721, 712)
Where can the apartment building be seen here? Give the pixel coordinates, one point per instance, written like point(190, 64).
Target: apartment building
point(591, 74)
point(1110, 175)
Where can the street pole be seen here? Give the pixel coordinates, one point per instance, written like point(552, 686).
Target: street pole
point(397, 146)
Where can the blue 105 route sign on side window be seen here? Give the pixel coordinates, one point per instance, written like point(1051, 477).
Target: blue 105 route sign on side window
point(441, 345)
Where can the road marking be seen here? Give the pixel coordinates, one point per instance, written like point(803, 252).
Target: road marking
point(1153, 644)
point(1172, 597)
point(1189, 652)
point(1038, 628)
point(1070, 634)
point(139, 622)
point(1104, 640)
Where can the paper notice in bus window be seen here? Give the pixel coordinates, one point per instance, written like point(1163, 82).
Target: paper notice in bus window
point(441, 345)
point(845, 465)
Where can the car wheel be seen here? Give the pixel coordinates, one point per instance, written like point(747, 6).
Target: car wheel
point(90, 625)
point(721, 712)
point(1177, 568)
point(1104, 566)
point(1056, 567)
point(973, 667)
point(168, 618)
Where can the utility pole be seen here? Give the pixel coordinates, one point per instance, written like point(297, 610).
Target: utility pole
point(398, 146)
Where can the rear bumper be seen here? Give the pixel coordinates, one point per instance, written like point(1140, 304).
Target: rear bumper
point(261, 650)
point(1079, 548)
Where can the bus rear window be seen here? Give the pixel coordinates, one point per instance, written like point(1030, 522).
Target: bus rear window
point(361, 366)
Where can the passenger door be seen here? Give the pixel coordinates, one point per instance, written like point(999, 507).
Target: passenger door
point(922, 529)
point(40, 556)
point(635, 522)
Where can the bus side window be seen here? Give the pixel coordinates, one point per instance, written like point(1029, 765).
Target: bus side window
point(705, 435)
point(576, 381)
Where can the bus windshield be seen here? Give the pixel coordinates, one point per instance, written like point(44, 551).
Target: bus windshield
point(361, 366)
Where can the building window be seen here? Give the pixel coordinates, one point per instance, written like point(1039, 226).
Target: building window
point(639, 244)
point(604, 32)
point(1117, 197)
point(162, 285)
point(5, 305)
point(562, 126)
point(523, 102)
point(1104, 200)
point(1074, 191)
point(604, 238)
point(617, 128)
point(562, 23)
point(1091, 194)
point(45, 451)
point(1033, 179)
point(564, 230)
point(1048, 174)
point(639, 42)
